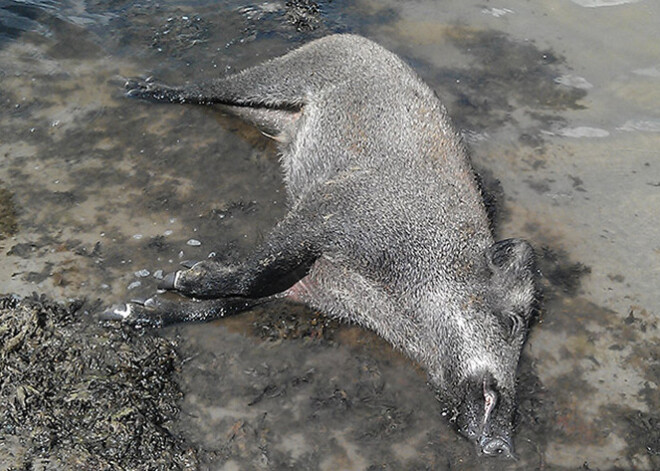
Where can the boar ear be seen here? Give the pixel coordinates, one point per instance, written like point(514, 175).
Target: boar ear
point(510, 255)
point(512, 267)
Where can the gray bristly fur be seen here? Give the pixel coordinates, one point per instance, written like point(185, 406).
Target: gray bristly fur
point(387, 226)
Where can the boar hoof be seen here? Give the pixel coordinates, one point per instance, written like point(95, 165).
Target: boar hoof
point(169, 281)
point(149, 313)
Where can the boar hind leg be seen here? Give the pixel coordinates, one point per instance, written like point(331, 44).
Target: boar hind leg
point(268, 96)
point(276, 120)
point(281, 83)
point(159, 311)
point(271, 95)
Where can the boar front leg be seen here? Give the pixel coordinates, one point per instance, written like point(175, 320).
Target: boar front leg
point(221, 290)
point(284, 258)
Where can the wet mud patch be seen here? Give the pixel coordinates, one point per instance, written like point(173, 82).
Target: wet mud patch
point(292, 321)
point(506, 76)
point(643, 434)
point(304, 15)
point(180, 32)
point(582, 358)
point(304, 20)
point(197, 35)
point(88, 194)
point(8, 222)
point(576, 349)
point(500, 82)
point(284, 387)
point(536, 408)
point(531, 73)
point(561, 274)
point(80, 395)
point(341, 400)
point(310, 403)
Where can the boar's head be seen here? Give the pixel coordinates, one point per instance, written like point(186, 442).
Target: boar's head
point(481, 349)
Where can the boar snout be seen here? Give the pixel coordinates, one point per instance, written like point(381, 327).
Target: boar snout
point(497, 446)
point(484, 416)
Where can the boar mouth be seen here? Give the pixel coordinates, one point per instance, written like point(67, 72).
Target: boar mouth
point(492, 444)
point(484, 417)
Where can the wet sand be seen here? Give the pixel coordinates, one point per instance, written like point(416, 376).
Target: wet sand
point(99, 195)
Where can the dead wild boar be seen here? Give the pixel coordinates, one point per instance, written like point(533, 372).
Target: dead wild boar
point(386, 225)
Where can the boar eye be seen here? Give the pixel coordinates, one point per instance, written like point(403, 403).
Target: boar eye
point(512, 324)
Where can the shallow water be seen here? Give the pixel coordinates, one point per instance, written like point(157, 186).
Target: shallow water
point(559, 101)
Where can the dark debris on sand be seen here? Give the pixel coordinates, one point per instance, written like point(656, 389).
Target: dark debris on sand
point(79, 395)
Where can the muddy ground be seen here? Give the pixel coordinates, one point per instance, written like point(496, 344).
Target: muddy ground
point(101, 195)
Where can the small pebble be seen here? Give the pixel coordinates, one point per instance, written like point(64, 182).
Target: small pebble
point(158, 274)
point(142, 273)
point(194, 242)
point(135, 284)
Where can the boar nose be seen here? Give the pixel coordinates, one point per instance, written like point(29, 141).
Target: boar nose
point(497, 446)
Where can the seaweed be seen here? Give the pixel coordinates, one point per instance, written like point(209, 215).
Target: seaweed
point(80, 395)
